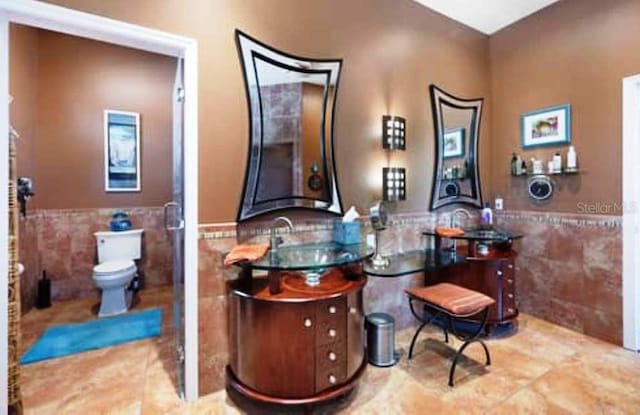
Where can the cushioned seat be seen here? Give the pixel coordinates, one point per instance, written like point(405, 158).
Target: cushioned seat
point(452, 298)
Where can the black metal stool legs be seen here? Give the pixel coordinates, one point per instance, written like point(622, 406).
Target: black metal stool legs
point(473, 338)
point(424, 323)
point(449, 325)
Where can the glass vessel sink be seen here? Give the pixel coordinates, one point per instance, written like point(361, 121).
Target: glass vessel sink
point(312, 259)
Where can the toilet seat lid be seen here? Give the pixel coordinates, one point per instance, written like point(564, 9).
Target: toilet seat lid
point(110, 267)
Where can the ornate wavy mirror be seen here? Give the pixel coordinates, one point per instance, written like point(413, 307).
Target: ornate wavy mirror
point(456, 123)
point(291, 115)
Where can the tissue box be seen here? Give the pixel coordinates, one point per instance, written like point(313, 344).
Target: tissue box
point(346, 233)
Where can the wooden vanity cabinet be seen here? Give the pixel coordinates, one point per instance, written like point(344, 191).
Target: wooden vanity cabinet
point(302, 345)
point(493, 275)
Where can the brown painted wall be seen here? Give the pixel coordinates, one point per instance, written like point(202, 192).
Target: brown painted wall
point(392, 51)
point(23, 73)
point(77, 80)
point(575, 52)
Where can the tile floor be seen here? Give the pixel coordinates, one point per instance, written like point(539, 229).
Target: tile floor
point(542, 368)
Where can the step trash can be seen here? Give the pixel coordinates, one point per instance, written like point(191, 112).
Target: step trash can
point(381, 339)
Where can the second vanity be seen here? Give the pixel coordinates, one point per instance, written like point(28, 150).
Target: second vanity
point(294, 338)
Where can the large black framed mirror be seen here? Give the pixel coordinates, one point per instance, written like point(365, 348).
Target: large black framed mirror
point(291, 103)
point(456, 122)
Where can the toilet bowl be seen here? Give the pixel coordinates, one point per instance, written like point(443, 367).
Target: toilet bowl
point(116, 268)
point(113, 278)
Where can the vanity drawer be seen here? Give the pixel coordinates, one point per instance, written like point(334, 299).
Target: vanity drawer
point(331, 365)
point(331, 311)
point(330, 331)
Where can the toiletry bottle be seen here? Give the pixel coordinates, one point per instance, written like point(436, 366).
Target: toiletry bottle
point(499, 203)
point(572, 159)
point(550, 166)
point(514, 163)
point(557, 163)
point(518, 166)
point(524, 168)
point(486, 216)
point(465, 170)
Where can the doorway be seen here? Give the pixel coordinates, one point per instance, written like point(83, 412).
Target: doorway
point(631, 212)
point(46, 16)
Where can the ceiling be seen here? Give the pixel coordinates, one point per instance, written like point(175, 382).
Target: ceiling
point(486, 16)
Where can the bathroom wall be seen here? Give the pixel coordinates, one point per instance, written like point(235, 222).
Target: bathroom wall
point(392, 51)
point(573, 52)
point(77, 80)
point(61, 86)
point(569, 270)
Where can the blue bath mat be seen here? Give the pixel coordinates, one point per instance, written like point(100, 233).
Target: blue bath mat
point(68, 339)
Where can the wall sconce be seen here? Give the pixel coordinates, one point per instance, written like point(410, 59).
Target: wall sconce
point(393, 132)
point(394, 183)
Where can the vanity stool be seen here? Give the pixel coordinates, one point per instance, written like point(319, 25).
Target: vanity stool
point(448, 304)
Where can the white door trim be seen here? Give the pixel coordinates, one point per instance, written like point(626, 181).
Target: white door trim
point(631, 213)
point(73, 22)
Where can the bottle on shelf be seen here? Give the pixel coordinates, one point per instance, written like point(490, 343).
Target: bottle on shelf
point(486, 216)
point(514, 165)
point(518, 166)
point(572, 159)
point(524, 168)
point(557, 163)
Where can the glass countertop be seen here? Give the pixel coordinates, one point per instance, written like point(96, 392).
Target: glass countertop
point(493, 233)
point(310, 257)
point(414, 261)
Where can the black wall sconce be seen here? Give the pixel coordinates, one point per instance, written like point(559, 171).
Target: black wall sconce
point(393, 132)
point(394, 183)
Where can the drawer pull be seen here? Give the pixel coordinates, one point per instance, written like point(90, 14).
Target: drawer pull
point(332, 332)
point(510, 280)
point(510, 310)
point(332, 310)
point(332, 356)
point(353, 310)
point(510, 266)
point(499, 273)
point(307, 322)
point(332, 379)
point(510, 296)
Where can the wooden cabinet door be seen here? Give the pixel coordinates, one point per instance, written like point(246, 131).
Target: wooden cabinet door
point(277, 347)
point(355, 332)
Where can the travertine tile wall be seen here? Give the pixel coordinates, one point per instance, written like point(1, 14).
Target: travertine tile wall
point(62, 243)
point(569, 273)
point(570, 270)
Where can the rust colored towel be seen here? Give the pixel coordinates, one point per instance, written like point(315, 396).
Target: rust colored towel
point(446, 232)
point(245, 252)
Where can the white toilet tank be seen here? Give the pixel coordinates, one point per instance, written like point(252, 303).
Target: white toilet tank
point(115, 246)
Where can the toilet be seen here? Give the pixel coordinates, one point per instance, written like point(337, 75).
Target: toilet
point(116, 268)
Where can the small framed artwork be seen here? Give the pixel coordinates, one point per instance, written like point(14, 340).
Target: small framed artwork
point(121, 151)
point(454, 143)
point(546, 127)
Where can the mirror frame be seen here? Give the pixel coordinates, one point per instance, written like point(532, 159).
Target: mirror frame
point(249, 208)
point(438, 98)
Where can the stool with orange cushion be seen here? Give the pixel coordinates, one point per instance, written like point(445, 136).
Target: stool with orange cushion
point(454, 303)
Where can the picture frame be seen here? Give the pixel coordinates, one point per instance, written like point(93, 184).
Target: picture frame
point(453, 143)
point(546, 127)
point(122, 151)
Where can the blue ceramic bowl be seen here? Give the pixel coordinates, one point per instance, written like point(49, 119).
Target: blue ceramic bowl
point(120, 225)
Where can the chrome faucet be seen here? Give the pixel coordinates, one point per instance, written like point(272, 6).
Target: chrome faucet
point(275, 240)
point(453, 219)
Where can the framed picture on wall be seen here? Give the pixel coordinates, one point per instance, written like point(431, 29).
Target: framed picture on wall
point(121, 151)
point(454, 143)
point(546, 127)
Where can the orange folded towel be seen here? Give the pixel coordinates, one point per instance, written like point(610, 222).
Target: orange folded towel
point(447, 232)
point(245, 252)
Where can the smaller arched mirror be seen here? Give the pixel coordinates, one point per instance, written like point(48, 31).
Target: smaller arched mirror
point(456, 123)
point(291, 104)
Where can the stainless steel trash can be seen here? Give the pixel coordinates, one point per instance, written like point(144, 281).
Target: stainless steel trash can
point(381, 339)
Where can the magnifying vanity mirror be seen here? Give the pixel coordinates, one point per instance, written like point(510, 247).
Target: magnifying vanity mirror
point(291, 115)
point(456, 176)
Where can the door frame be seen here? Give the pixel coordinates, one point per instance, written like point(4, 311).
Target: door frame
point(72, 22)
point(631, 212)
